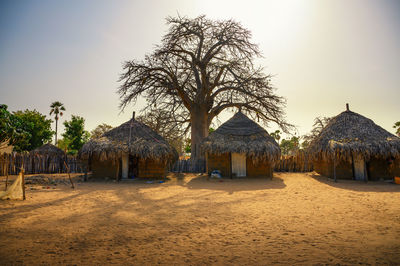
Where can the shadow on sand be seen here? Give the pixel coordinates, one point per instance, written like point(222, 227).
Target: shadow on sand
point(227, 184)
point(359, 186)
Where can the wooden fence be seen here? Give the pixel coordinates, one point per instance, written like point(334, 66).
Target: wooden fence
point(294, 164)
point(11, 164)
point(187, 166)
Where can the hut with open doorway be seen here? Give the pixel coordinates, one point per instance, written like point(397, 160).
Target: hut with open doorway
point(352, 146)
point(241, 147)
point(130, 150)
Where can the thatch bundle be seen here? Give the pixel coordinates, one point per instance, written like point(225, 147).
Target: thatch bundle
point(131, 137)
point(49, 150)
point(242, 135)
point(349, 134)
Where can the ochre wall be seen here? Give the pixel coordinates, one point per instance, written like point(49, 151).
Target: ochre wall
point(147, 169)
point(104, 169)
point(151, 169)
point(382, 169)
point(377, 169)
point(220, 162)
point(344, 169)
point(261, 169)
point(395, 168)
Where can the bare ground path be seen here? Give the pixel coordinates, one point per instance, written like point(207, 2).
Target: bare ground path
point(292, 219)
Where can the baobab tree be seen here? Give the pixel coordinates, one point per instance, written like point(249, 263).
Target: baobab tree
point(56, 108)
point(160, 121)
point(201, 68)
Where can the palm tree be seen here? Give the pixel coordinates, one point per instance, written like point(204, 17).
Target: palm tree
point(276, 135)
point(57, 108)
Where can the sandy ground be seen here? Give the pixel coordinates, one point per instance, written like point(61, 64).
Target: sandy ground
point(292, 219)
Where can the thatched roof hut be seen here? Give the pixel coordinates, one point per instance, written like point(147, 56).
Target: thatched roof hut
point(129, 151)
point(132, 137)
point(241, 147)
point(48, 149)
point(242, 135)
point(354, 147)
point(349, 133)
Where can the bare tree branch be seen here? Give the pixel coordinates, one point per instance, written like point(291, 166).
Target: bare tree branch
point(201, 68)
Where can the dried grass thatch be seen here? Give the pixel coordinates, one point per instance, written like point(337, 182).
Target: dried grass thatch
point(242, 135)
point(48, 149)
point(350, 134)
point(131, 137)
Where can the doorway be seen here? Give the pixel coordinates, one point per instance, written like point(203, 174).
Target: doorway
point(133, 171)
point(359, 167)
point(239, 164)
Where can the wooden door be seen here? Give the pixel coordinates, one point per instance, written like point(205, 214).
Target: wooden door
point(239, 164)
point(359, 165)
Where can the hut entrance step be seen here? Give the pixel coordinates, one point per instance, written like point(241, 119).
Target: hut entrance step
point(239, 164)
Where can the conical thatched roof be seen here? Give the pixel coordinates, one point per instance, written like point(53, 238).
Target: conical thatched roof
point(242, 135)
point(350, 133)
point(131, 137)
point(48, 149)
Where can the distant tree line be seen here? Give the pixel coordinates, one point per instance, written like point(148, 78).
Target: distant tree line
point(294, 143)
point(29, 129)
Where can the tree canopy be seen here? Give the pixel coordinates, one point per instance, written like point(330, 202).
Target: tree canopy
point(100, 130)
point(289, 145)
point(57, 109)
point(11, 130)
point(75, 134)
point(276, 135)
point(37, 130)
point(201, 68)
point(397, 125)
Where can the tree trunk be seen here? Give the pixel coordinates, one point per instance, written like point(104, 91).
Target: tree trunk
point(56, 132)
point(199, 130)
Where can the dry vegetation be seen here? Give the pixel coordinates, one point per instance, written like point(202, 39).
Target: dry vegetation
point(292, 219)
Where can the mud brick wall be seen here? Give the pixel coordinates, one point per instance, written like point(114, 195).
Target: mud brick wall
point(260, 169)
point(151, 169)
point(220, 162)
point(102, 169)
point(344, 170)
point(381, 168)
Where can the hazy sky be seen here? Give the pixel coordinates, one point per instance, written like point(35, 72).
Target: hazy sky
point(322, 54)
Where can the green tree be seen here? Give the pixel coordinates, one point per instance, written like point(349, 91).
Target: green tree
point(397, 125)
point(188, 147)
point(276, 135)
point(56, 109)
point(64, 144)
point(304, 144)
point(202, 68)
point(37, 128)
point(10, 127)
point(100, 130)
point(75, 133)
point(289, 145)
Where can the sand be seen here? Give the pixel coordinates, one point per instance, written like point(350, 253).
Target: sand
point(293, 219)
